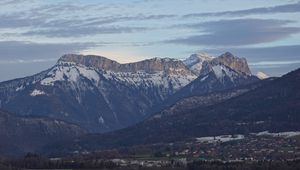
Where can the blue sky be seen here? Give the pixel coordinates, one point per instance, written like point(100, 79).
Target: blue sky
point(35, 33)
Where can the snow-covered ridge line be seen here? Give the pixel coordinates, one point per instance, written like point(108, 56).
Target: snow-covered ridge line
point(157, 79)
point(69, 71)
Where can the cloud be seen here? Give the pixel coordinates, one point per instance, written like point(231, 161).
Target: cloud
point(20, 51)
point(72, 20)
point(16, 20)
point(273, 63)
point(84, 31)
point(237, 32)
point(21, 61)
point(10, 2)
point(140, 17)
point(64, 14)
point(287, 8)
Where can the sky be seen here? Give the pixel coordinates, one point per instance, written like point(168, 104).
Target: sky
point(35, 33)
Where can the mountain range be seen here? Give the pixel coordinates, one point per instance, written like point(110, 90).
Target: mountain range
point(102, 95)
point(83, 100)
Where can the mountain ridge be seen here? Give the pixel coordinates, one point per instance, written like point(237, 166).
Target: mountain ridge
point(101, 95)
point(20, 134)
point(148, 65)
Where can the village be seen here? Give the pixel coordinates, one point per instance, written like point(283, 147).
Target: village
point(226, 148)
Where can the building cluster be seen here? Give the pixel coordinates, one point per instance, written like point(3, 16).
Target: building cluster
point(226, 148)
point(180, 162)
point(250, 148)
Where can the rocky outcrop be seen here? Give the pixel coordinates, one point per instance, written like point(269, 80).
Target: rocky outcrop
point(202, 63)
point(240, 65)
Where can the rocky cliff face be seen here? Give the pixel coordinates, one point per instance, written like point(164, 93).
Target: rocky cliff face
point(227, 59)
point(94, 61)
point(151, 66)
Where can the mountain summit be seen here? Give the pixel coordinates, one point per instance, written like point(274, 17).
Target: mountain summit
point(195, 61)
point(216, 74)
point(228, 60)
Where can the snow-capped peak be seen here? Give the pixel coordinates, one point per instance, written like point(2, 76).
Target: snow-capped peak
point(261, 75)
point(195, 61)
point(197, 58)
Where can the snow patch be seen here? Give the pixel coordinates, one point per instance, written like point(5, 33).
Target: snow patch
point(150, 80)
point(261, 75)
point(20, 88)
point(71, 73)
point(57, 74)
point(279, 134)
point(36, 92)
point(220, 71)
point(101, 120)
point(89, 74)
point(204, 78)
point(222, 138)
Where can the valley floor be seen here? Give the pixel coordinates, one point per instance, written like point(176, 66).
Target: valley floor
point(263, 165)
point(254, 151)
